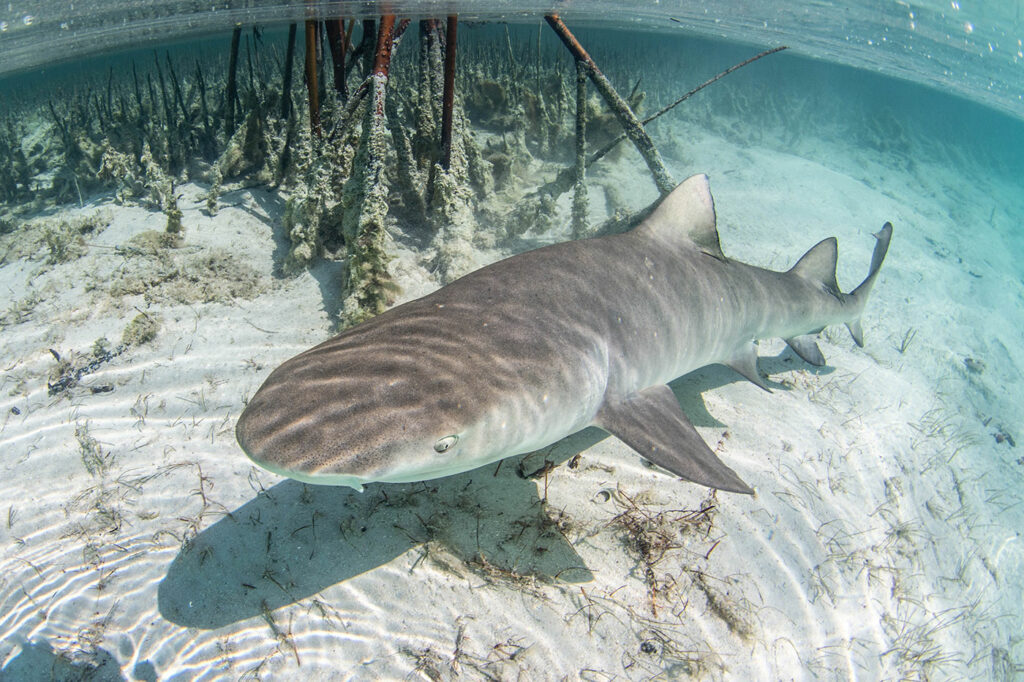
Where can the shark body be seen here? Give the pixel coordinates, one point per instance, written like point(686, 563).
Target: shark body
point(523, 352)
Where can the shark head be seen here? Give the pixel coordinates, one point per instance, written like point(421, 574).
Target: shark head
point(354, 411)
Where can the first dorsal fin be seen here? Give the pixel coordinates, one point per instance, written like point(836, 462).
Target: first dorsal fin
point(687, 214)
point(819, 265)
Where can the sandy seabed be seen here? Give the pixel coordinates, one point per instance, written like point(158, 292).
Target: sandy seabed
point(883, 542)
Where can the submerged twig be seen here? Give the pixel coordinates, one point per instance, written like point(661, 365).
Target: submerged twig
point(567, 177)
point(664, 110)
point(634, 129)
point(369, 284)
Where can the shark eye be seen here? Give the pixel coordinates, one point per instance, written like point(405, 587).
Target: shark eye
point(446, 443)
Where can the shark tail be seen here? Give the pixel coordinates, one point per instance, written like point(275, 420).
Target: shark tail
point(859, 296)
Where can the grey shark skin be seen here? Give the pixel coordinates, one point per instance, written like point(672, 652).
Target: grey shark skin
point(521, 353)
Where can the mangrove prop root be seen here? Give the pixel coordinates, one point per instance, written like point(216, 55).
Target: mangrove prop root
point(209, 143)
point(231, 92)
point(566, 178)
point(407, 172)
point(425, 139)
point(579, 200)
point(336, 41)
point(382, 55)
point(286, 87)
point(311, 82)
point(369, 284)
point(359, 94)
point(448, 98)
point(364, 52)
point(634, 129)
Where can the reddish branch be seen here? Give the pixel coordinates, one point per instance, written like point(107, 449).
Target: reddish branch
point(385, 36)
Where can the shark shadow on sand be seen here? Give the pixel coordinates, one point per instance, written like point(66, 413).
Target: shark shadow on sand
point(294, 540)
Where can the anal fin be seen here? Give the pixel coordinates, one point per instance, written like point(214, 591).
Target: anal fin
point(857, 332)
point(652, 423)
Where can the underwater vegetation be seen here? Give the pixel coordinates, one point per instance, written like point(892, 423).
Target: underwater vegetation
point(374, 132)
point(356, 132)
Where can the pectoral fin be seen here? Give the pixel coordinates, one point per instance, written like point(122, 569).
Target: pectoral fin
point(652, 423)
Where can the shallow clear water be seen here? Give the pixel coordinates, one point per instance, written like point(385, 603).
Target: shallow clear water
point(971, 48)
point(156, 266)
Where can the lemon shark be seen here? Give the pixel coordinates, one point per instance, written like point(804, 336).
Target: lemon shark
point(519, 354)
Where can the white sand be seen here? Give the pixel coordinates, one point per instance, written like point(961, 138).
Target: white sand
point(883, 541)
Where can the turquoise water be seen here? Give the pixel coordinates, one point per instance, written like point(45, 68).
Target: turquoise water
point(156, 266)
point(971, 48)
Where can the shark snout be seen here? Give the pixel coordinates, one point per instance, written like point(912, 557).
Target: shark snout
point(292, 440)
point(359, 432)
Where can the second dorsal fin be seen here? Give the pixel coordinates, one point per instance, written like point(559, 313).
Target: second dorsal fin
point(819, 265)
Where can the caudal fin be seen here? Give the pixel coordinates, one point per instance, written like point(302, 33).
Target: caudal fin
point(860, 294)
